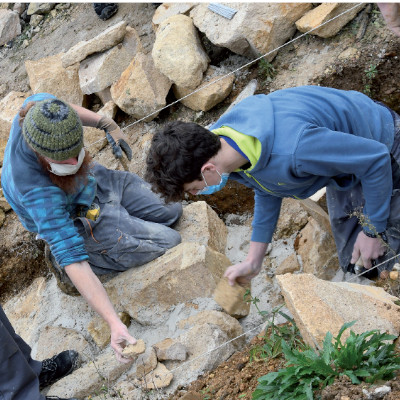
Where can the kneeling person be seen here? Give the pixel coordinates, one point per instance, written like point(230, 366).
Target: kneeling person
point(94, 220)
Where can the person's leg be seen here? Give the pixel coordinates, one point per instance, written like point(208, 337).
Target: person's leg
point(133, 225)
point(18, 372)
point(116, 241)
point(345, 228)
point(135, 196)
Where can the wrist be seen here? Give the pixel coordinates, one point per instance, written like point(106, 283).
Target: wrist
point(376, 235)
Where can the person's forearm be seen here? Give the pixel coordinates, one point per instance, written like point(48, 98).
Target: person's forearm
point(88, 118)
point(92, 290)
point(256, 252)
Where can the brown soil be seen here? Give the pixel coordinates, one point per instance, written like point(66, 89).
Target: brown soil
point(237, 378)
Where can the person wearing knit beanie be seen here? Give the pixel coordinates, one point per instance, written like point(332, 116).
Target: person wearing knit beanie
point(53, 129)
point(106, 221)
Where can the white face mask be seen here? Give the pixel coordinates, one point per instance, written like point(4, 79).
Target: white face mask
point(67, 169)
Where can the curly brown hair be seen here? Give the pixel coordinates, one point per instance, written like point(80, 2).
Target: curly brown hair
point(176, 155)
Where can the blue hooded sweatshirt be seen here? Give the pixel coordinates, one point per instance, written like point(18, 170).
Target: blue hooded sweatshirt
point(305, 138)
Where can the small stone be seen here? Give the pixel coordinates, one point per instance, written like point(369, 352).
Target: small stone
point(394, 275)
point(133, 350)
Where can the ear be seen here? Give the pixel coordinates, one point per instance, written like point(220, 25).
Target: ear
point(208, 167)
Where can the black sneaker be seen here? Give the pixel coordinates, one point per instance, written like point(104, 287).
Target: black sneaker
point(58, 398)
point(57, 367)
point(63, 281)
point(105, 10)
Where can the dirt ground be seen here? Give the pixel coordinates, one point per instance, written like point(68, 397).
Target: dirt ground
point(373, 70)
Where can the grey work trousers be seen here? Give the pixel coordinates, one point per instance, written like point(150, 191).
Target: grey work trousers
point(134, 224)
point(18, 372)
point(345, 229)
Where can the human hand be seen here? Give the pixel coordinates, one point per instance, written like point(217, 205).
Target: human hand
point(119, 337)
point(368, 249)
point(242, 273)
point(115, 136)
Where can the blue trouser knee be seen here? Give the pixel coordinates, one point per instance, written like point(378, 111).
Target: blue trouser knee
point(18, 372)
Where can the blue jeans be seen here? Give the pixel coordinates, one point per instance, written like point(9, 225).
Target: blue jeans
point(18, 372)
point(345, 229)
point(134, 224)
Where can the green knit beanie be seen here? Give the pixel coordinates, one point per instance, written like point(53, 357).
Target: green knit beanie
point(53, 129)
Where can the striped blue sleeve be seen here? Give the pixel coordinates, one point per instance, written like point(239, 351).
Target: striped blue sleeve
point(47, 208)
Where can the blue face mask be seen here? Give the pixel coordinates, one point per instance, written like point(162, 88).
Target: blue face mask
point(214, 188)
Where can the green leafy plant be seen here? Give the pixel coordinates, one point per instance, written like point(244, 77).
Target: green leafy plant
point(370, 73)
point(266, 70)
point(363, 357)
point(275, 335)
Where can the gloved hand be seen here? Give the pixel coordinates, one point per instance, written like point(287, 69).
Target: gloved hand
point(368, 248)
point(115, 137)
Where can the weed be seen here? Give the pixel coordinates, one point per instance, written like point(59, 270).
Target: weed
point(266, 70)
point(275, 335)
point(370, 73)
point(367, 356)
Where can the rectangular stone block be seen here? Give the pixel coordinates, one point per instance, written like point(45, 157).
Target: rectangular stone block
point(199, 223)
point(231, 298)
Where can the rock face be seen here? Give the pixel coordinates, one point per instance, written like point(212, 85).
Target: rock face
point(324, 13)
point(319, 306)
point(256, 28)
point(48, 75)
point(10, 26)
point(109, 38)
point(141, 89)
point(177, 52)
point(100, 71)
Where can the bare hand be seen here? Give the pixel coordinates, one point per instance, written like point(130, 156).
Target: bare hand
point(119, 339)
point(368, 249)
point(242, 273)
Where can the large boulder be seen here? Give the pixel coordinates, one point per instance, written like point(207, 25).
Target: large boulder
point(40, 8)
point(256, 28)
point(212, 91)
point(99, 71)
point(141, 90)
point(10, 27)
point(183, 273)
point(48, 75)
point(177, 52)
point(319, 307)
point(107, 39)
point(324, 13)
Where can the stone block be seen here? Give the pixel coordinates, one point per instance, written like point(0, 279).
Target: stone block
point(49, 76)
point(10, 27)
point(319, 307)
point(324, 13)
point(107, 39)
point(183, 273)
point(231, 298)
point(199, 223)
point(170, 349)
point(133, 350)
